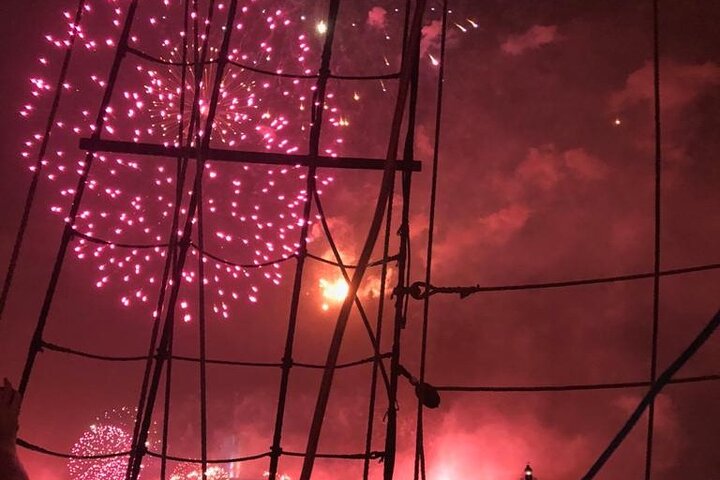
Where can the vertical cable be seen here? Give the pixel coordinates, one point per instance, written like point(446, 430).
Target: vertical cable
point(378, 337)
point(201, 310)
point(399, 314)
point(180, 181)
point(381, 303)
point(202, 146)
point(166, 412)
point(68, 231)
point(412, 51)
point(203, 341)
point(364, 259)
point(419, 471)
point(30, 197)
point(346, 276)
point(171, 269)
point(657, 234)
point(661, 382)
point(313, 152)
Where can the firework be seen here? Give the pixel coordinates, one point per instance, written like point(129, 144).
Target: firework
point(189, 471)
point(333, 291)
point(101, 439)
point(252, 213)
point(281, 477)
point(109, 434)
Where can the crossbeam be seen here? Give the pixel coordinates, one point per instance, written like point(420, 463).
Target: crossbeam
point(238, 156)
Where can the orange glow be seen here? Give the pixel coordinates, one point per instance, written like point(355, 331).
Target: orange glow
point(333, 291)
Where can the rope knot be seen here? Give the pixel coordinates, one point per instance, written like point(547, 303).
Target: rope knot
point(287, 362)
point(141, 449)
point(419, 290)
point(376, 455)
point(38, 345)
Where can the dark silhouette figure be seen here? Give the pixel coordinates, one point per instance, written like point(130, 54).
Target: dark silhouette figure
point(10, 466)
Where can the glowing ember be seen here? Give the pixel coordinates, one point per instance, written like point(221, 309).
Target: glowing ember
point(281, 477)
point(333, 291)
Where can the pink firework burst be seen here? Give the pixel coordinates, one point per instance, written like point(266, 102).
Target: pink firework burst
point(101, 439)
point(252, 213)
point(109, 434)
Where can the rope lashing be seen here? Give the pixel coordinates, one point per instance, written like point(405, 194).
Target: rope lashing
point(426, 393)
point(421, 290)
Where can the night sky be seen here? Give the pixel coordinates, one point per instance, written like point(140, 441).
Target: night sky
point(546, 174)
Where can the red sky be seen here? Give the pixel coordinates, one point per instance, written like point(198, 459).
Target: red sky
point(537, 183)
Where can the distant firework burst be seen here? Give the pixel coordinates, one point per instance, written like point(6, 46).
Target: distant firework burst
point(190, 471)
point(108, 435)
point(252, 213)
point(101, 439)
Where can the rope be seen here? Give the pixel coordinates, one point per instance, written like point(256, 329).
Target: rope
point(381, 302)
point(655, 389)
point(409, 154)
point(375, 263)
point(420, 290)
point(361, 310)
point(276, 261)
point(112, 243)
point(381, 76)
point(202, 324)
point(239, 363)
point(250, 68)
point(419, 471)
point(180, 182)
point(30, 197)
point(93, 356)
point(174, 458)
point(363, 361)
point(79, 191)
point(378, 335)
point(202, 145)
point(219, 259)
point(170, 261)
point(373, 233)
point(166, 413)
point(410, 45)
point(339, 366)
point(35, 448)
point(257, 456)
point(318, 106)
point(571, 387)
point(374, 455)
point(656, 236)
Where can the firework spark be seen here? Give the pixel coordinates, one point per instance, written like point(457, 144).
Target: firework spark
point(333, 291)
point(189, 471)
point(108, 435)
point(253, 213)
